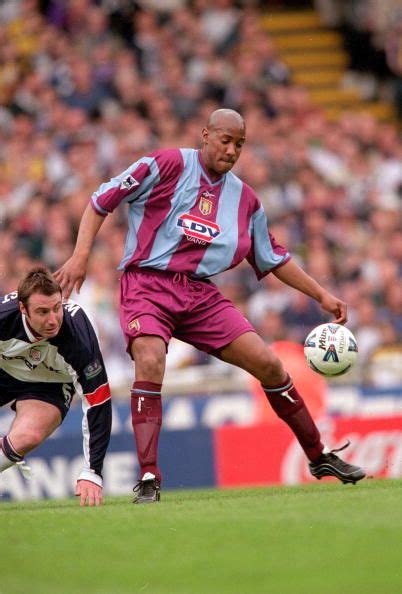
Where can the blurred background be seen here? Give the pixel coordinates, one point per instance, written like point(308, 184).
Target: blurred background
point(89, 86)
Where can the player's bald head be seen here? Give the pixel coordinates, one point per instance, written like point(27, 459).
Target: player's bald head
point(220, 119)
point(222, 139)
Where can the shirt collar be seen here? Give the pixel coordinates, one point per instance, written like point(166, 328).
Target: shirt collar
point(31, 336)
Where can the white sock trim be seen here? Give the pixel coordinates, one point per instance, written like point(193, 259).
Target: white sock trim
point(4, 461)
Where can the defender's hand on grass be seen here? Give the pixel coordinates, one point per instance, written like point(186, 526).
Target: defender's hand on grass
point(89, 493)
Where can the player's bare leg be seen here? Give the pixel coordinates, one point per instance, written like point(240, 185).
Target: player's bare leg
point(250, 352)
point(33, 423)
point(149, 354)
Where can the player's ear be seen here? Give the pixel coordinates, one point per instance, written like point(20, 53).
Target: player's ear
point(205, 135)
point(22, 307)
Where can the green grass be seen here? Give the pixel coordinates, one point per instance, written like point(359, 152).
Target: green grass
point(316, 539)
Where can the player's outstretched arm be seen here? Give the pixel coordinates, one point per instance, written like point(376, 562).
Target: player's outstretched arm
point(89, 493)
point(72, 274)
point(95, 396)
point(294, 276)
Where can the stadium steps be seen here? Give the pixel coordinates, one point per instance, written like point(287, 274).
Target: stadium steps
point(380, 110)
point(323, 60)
point(315, 55)
point(291, 21)
point(312, 40)
point(312, 78)
point(330, 96)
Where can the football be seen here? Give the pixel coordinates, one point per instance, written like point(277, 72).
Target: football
point(330, 349)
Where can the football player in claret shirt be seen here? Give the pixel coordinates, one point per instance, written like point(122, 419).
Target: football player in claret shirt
point(49, 353)
point(189, 218)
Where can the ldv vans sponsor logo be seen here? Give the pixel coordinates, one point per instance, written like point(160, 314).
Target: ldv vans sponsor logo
point(196, 228)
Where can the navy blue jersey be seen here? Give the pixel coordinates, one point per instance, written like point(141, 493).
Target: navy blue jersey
point(71, 362)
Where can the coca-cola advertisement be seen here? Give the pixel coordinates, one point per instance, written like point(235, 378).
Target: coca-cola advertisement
point(269, 454)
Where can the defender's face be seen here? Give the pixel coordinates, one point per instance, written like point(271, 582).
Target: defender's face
point(44, 314)
point(222, 148)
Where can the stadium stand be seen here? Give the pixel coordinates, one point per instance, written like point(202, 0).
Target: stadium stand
point(317, 59)
point(86, 87)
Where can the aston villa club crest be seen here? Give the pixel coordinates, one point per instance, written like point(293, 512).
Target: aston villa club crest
point(134, 325)
point(206, 203)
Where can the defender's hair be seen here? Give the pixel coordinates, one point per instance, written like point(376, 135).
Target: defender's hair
point(37, 280)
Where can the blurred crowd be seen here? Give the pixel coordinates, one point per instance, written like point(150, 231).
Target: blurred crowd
point(372, 31)
point(87, 87)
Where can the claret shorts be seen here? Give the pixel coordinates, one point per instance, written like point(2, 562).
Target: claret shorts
point(170, 304)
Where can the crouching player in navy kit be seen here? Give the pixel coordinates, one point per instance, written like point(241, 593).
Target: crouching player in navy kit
point(190, 218)
point(48, 353)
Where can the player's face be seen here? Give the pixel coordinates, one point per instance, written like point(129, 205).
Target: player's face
point(222, 148)
point(44, 314)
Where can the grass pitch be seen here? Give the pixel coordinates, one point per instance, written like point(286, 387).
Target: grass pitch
point(323, 538)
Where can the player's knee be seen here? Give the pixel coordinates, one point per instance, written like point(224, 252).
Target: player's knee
point(149, 364)
point(272, 371)
point(28, 440)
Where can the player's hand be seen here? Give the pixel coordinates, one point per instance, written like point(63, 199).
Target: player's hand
point(89, 493)
point(71, 275)
point(335, 306)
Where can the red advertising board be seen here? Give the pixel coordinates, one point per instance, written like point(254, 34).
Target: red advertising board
point(269, 454)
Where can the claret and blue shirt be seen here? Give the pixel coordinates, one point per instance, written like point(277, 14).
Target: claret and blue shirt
point(179, 220)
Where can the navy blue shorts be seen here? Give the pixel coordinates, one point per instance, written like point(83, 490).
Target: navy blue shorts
point(13, 390)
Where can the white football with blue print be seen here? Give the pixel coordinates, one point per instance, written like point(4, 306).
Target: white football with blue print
point(331, 349)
